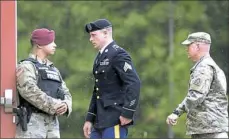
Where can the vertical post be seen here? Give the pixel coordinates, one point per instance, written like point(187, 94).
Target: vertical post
point(171, 48)
point(7, 63)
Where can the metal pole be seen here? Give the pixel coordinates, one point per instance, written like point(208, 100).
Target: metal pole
point(171, 83)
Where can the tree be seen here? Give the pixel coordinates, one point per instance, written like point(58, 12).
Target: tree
point(141, 27)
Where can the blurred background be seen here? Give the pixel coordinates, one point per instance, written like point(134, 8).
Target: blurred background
point(151, 31)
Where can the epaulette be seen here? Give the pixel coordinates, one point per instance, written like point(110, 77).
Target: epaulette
point(116, 47)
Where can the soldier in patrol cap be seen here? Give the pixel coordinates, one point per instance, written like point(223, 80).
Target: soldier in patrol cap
point(116, 89)
point(206, 103)
point(41, 89)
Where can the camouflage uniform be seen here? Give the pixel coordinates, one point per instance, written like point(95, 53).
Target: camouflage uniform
point(211, 135)
point(40, 125)
point(206, 102)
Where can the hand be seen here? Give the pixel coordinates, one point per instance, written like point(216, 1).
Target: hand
point(18, 71)
point(124, 120)
point(172, 119)
point(87, 129)
point(62, 109)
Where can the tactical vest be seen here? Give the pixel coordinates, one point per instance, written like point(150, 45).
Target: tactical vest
point(48, 80)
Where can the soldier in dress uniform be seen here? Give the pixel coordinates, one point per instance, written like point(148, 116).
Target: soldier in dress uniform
point(206, 103)
point(41, 89)
point(117, 86)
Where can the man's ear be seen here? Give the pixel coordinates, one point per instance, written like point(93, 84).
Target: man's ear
point(38, 46)
point(105, 32)
point(198, 46)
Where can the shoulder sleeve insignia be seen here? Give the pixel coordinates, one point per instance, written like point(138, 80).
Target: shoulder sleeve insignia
point(127, 66)
point(197, 82)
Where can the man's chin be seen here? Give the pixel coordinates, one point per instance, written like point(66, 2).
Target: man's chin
point(52, 53)
point(96, 47)
point(190, 58)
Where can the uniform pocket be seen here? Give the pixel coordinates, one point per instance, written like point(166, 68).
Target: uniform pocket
point(113, 101)
point(102, 69)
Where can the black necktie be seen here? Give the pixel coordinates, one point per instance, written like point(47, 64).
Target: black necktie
point(98, 56)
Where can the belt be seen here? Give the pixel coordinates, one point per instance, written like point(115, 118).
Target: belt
point(36, 110)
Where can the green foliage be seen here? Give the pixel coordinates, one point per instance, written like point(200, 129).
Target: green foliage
point(141, 27)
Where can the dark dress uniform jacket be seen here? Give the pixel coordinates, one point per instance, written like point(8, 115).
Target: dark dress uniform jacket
point(116, 90)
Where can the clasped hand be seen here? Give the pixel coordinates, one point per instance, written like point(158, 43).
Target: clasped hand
point(62, 109)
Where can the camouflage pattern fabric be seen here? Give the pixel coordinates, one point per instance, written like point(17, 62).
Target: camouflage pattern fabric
point(210, 135)
point(40, 126)
point(206, 103)
point(28, 89)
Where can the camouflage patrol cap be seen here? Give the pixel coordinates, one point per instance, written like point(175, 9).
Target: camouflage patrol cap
point(197, 37)
point(97, 25)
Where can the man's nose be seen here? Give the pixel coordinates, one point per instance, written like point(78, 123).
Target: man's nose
point(91, 39)
point(54, 45)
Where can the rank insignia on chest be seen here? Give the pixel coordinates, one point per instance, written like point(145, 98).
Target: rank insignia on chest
point(104, 62)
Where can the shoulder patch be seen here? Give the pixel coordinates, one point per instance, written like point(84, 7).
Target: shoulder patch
point(197, 82)
point(19, 71)
point(28, 65)
point(127, 66)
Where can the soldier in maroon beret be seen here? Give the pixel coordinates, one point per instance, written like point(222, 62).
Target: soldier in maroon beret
point(42, 91)
point(43, 40)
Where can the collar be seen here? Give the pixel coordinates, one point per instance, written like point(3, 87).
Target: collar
point(45, 62)
point(201, 59)
point(104, 47)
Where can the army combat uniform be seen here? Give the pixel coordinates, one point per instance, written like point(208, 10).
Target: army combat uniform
point(206, 103)
point(37, 85)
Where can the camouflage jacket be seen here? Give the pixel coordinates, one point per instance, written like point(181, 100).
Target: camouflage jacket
point(28, 89)
point(206, 102)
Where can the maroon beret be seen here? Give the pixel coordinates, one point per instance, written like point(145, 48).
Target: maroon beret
point(43, 36)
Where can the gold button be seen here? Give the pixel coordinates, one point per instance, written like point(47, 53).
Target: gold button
point(97, 97)
point(96, 72)
point(97, 89)
point(96, 80)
